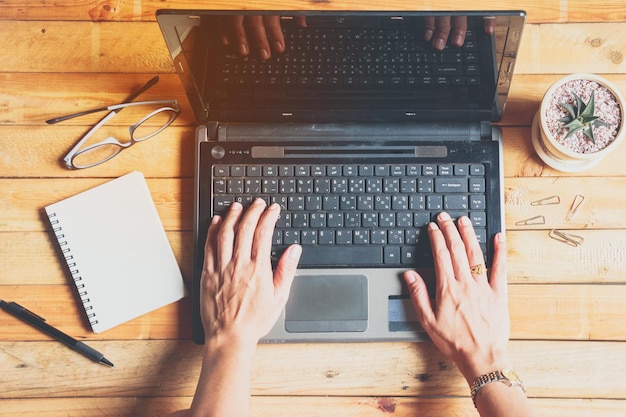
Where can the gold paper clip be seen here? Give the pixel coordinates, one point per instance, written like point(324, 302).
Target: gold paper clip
point(567, 238)
point(532, 221)
point(578, 201)
point(553, 199)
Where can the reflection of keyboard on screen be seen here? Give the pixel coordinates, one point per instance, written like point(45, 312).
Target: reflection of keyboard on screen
point(357, 215)
point(326, 57)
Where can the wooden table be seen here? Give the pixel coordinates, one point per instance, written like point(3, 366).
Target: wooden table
point(567, 304)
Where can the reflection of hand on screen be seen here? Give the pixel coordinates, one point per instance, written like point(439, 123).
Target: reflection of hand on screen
point(439, 29)
point(261, 35)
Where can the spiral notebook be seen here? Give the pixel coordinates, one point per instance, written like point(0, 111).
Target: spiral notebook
point(117, 251)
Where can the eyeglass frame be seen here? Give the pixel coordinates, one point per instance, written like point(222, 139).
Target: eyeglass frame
point(114, 109)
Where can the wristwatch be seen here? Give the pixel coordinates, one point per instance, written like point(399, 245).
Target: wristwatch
point(506, 376)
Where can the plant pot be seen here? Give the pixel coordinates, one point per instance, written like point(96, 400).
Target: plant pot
point(575, 154)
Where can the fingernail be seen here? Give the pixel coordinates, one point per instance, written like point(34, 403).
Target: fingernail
point(243, 49)
point(410, 277)
point(236, 206)
point(258, 200)
point(444, 217)
point(433, 226)
point(458, 40)
point(264, 54)
point(465, 221)
point(278, 47)
point(439, 44)
point(295, 251)
point(428, 34)
point(501, 237)
point(216, 219)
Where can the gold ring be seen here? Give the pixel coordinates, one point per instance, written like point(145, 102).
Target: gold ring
point(478, 269)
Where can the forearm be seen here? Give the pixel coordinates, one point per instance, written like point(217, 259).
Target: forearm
point(224, 384)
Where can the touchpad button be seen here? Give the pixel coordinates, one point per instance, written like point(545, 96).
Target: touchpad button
point(327, 303)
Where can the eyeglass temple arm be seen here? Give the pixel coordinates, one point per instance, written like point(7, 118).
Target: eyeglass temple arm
point(130, 98)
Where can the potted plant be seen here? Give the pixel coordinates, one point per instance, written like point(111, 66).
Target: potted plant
point(580, 121)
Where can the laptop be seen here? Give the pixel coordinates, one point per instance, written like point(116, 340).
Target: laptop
point(362, 131)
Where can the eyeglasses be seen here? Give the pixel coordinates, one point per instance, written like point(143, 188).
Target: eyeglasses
point(157, 115)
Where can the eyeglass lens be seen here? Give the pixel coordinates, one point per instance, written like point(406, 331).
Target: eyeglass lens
point(110, 139)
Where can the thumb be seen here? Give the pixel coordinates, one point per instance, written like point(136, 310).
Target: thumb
point(286, 269)
point(420, 297)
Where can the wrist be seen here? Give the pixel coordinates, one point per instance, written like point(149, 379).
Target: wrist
point(223, 346)
point(478, 365)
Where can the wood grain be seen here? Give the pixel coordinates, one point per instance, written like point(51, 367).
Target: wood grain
point(311, 406)
point(170, 368)
point(138, 47)
point(538, 312)
point(566, 303)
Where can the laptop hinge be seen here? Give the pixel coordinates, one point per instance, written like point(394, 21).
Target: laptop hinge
point(349, 131)
point(212, 130)
point(485, 129)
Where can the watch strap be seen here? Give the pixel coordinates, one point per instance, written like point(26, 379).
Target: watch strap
point(507, 376)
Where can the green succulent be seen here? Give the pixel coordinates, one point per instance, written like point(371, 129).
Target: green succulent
point(581, 117)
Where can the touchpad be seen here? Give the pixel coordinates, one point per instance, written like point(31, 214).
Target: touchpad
point(327, 303)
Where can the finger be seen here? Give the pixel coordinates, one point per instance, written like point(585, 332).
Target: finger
point(459, 30)
point(274, 33)
point(443, 262)
point(286, 271)
point(429, 28)
point(239, 33)
point(301, 21)
point(442, 31)
point(420, 298)
point(498, 267)
point(226, 235)
point(472, 247)
point(489, 24)
point(210, 245)
point(455, 245)
point(247, 229)
point(256, 28)
point(262, 246)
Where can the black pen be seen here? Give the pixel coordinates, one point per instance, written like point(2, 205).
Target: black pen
point(40, 323)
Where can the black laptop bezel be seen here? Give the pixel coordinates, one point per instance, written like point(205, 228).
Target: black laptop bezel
point(170, 20)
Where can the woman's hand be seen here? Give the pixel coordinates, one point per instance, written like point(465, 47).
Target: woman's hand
point(469, 321)
point(241, 297)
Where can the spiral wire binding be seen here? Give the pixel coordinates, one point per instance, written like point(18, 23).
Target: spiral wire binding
point(73, 268)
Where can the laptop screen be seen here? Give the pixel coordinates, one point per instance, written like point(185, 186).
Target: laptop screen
point(343, 66)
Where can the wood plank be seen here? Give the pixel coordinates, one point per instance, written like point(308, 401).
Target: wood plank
point(145, 10)
point(537, 311)
point(287, 406)
point(36, 259)
point(171, 154)
point(38, 151)
point(22, 201)
point(599, 47)
point(32, 98)
point(600, 207)
point(170, 368)
point(533, 257)
point(35, 97)
point(140, 48)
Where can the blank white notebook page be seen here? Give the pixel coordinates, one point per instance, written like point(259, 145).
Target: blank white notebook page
point(117, 251)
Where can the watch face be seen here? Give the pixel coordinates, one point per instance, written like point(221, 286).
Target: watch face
point(510, 375)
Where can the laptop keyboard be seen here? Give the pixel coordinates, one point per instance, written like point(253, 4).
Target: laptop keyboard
point(389, 58)
point(357, 215)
